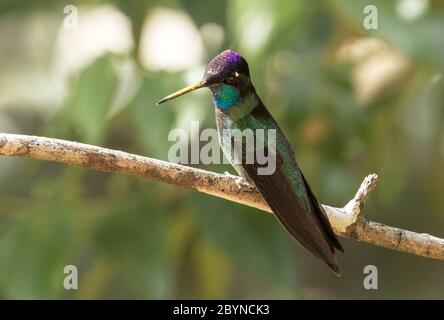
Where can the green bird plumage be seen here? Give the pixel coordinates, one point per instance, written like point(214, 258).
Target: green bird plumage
point(238, 107)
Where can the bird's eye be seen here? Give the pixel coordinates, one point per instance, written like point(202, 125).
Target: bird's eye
point(232, 78)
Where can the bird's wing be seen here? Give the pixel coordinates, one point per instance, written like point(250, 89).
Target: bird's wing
point(322, 217)
point(288, 199)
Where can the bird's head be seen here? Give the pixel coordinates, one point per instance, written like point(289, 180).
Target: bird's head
point(227, 67)
point(227, 76)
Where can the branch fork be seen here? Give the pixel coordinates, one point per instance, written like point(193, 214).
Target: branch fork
point(345, 219)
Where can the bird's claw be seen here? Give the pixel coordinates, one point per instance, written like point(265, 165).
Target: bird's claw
point(238, 180)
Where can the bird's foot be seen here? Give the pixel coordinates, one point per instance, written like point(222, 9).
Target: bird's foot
point(237, 179)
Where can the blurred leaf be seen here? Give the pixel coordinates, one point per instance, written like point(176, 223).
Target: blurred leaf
point(133, 236)
point(418, 38)
point(91, 98)
point(254, 240)
point(34, 251)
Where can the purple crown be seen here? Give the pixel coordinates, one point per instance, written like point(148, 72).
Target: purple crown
point(231, 57)
point(225, 63)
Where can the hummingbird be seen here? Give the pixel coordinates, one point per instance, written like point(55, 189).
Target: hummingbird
point(286, 191)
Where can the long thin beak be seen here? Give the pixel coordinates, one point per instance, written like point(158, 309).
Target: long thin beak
point(183, 91)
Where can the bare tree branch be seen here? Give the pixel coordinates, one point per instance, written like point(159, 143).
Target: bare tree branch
point(347, 221)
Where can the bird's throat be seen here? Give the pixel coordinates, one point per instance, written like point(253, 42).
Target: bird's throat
point(232, 103)
point(225, 96)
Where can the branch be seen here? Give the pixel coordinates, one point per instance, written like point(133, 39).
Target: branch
point(347, 221)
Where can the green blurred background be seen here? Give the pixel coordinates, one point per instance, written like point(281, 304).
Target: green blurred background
point(352, 101)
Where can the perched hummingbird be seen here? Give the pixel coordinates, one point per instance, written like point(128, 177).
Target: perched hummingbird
point(238, 107)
